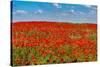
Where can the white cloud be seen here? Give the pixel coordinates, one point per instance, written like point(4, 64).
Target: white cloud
point(69, 12)
point(88, 6)
point(57, 5)
point(39, 11)
point(21, 12)
point(91, 7)
point(72, 10)
point(92, 12)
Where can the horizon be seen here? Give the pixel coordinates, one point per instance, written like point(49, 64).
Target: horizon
point(53, 12)
point(50, 22)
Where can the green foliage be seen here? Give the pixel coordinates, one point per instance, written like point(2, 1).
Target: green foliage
point(92, 36)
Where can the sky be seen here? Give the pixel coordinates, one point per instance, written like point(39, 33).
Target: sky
point(58, 12)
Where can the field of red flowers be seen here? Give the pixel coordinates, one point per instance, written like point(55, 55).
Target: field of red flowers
point(35, 43)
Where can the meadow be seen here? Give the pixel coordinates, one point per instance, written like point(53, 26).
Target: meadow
point(39, 42)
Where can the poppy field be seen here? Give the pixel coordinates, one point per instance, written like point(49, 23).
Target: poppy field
point(38, 42)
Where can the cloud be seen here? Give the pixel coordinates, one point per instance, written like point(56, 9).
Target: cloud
point(72, 11)
point(93, 13)
point(39, 11)
point(57, 5)
point(88, 6)
point(69, 12)
point(20, 12)
point(91, 7)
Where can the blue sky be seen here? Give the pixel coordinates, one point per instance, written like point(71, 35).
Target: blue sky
point(42, 11)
